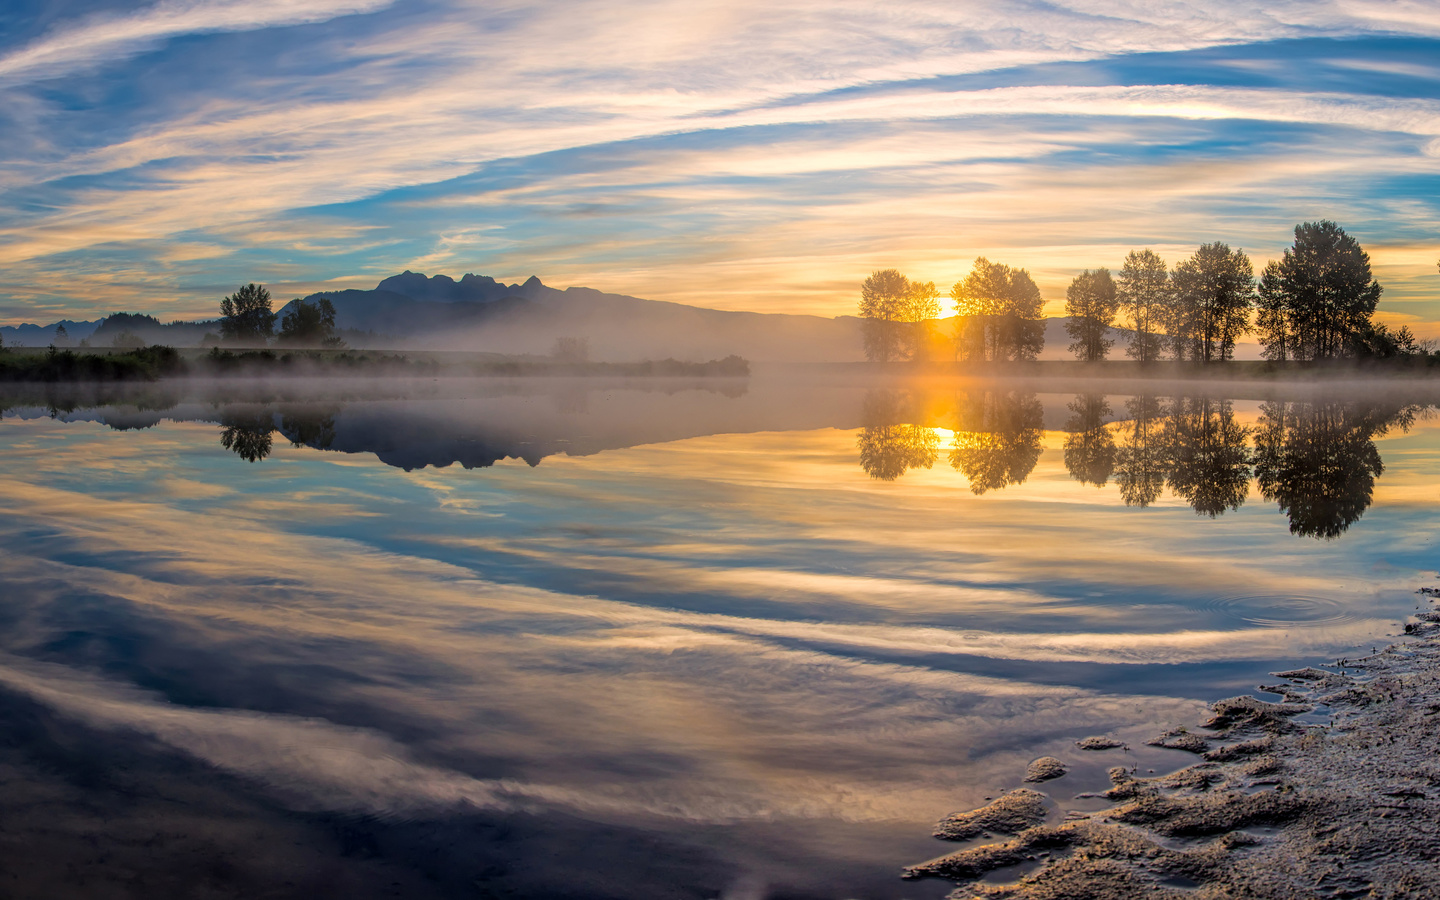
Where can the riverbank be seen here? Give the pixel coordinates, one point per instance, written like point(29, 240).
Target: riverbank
point(158, 362)
point(1274, 807)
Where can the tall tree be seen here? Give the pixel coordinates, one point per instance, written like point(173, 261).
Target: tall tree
point(1145, 297)
point(1316, 301)
point(999, 313)
point(883, 300)
point(247, 317)
point(922, 306)
point(310, 324)
point(1091, 304)
point(1214, 290)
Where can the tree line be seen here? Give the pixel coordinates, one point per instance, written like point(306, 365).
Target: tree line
point(1316, 460)
point(1316, 302)
point(247, 319)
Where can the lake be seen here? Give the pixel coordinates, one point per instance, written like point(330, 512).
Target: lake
point(716, 638)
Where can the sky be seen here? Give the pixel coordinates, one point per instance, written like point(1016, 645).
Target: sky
point(736, 155)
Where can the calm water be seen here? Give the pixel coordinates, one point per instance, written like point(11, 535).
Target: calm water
point(738, 639)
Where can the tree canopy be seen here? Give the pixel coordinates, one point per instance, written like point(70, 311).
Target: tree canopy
point(1213, 293)
point(310, 324)
point(1316, 301)
point(246, 315)
point(1091, 304)
point(1144, 295)
point(999, 313)
point(895, 311)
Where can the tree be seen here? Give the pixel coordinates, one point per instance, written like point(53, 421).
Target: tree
point(62, 337)
point(247, 317)
point(1145, 296)
point(998, 310)
point(310, 324)
point(1316, 301)
point(1091, 304)
point(1214, 290)
point(922, 306)
point(883, 300)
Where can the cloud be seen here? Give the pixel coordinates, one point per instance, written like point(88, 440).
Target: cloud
point(104, 37)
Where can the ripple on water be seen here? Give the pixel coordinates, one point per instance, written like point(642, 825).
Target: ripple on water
point(1283, 610)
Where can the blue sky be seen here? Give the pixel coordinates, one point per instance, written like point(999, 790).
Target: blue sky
point(740, 155)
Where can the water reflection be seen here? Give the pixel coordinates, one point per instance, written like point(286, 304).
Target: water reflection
point(1316, 460)
point(247, 432)
point(997, 437)
point(1090, 447)
point(889, 446)
point(1319, 462)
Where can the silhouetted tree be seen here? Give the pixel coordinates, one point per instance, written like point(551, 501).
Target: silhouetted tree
point(997, 438)
point(1142, 462)
point(889, 444)
point(1214, 290)
point(1090, 447)
point(247, 433)
point(1316, 301)
point(922, 306)
point(1091, 304)
point(62, 337)
point(246, 315)
point(310, 324)
point(883, 299)
point(1145, 297)
point(999, 310)
point(1209, 459)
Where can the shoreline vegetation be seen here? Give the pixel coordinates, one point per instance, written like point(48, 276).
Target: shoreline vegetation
point(1275, 808)
point(157, 363)
point(1316, 303)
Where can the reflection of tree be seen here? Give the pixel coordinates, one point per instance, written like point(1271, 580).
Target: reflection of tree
point(889, 444)
point(309, 426)
point(247, 433)
point(997, 438)
point(1142, 462)
point(1210, 463)
point(1090, 447)
point(1319, 463)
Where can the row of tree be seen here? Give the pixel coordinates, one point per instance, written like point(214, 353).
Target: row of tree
point(247, 319)
point(1317, 461)
point(1314, 303)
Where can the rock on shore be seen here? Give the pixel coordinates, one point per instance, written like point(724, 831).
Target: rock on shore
point(1274, 809)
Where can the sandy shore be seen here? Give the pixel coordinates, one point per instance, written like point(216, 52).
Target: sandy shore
point(1273, 808)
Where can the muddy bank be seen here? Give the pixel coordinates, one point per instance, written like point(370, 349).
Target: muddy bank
point(1275, 806)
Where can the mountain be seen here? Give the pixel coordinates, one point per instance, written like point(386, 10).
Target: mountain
point(44, 335)
point(479, 313)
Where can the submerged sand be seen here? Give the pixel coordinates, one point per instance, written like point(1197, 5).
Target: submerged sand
point(1273, 807)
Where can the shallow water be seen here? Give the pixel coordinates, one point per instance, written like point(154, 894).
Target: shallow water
point(693, 639)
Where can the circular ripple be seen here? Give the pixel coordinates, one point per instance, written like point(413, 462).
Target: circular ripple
point(1283, 610)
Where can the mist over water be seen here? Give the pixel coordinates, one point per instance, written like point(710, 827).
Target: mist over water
point(539, 637)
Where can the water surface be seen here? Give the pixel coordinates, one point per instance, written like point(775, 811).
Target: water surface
point(630, 639)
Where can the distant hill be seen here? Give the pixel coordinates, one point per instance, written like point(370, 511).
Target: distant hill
point(479, 313)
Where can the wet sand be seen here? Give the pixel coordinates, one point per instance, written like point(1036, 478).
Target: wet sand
point(1274, 807)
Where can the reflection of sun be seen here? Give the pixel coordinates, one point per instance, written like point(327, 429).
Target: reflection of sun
point(943, 434)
